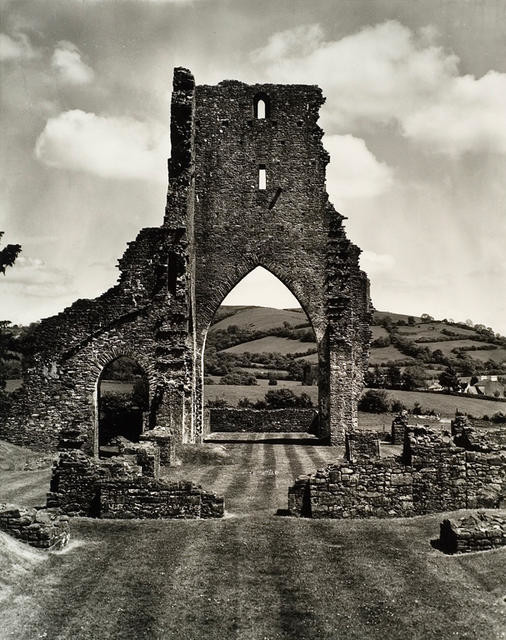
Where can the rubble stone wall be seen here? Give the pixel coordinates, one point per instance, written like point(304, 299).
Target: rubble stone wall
point(479, 532)
point(432, 475)
point(41, 528)
point(117, 488)
point(263, 420)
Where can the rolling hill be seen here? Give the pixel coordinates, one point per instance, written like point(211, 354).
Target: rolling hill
point(397, 339)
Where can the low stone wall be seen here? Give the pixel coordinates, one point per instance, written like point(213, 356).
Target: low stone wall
point(432, 475)
point(148, 498)
point(478, 532)
point(41, 528)
point(117, 488)
point(264, 420)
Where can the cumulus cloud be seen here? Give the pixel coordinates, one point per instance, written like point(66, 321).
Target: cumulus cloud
point(68, 64)
point(469, 116)
point(17, 47)
point(110, 147)
point(389, 74)
point(354, 172)
point(33, 277)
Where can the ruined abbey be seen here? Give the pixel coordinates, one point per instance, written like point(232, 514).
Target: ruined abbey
point(246, 189)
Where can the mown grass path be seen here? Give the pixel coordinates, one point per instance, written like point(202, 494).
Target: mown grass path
point(253, 575)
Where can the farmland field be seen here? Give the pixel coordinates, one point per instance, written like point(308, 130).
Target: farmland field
point(440, 402)
point(386, 354)
point(251, 576)
point(261, 318)
point(447, 346)
point(271, 344)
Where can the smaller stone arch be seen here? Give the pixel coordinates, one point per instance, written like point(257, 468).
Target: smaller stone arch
point(132, 418)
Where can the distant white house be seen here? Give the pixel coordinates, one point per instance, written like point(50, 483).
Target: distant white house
point(483, 386)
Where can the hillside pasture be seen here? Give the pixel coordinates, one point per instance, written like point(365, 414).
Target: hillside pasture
point(261, 318)
point(447, 346)
point(433, 330)
point(271, 344)
point(378, 332)
point(497, 355)
point(381, 355)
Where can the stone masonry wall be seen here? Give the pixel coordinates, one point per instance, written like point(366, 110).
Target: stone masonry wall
point(218, 226)
point(41, 528)
point(478, 532)
point(262, 420)
point(117, 488)
point(432, 475)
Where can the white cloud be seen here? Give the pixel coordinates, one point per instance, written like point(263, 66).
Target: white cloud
point(375, 263)
point(389, 74)
point(354, 172)
point(293, 42)
point(469, 116)
point(16, 48)
point(69, 66)
point(32, 277)
point(110, 147)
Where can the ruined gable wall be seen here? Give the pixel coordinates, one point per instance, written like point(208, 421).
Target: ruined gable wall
point(237, 225)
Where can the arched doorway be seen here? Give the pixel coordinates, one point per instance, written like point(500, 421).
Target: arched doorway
point(258, 348)
point(122, 402)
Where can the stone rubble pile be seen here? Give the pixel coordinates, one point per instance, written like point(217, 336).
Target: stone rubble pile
point(41, 528)
point(478, 532)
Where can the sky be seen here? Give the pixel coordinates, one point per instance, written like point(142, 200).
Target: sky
point(415, 124)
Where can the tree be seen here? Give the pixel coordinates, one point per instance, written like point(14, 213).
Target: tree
point(448, 379)
point(413, 378)
point(374, 401)
point(8, 347)
point(8, 255)
point(393, 376)
point(425, 317)
point(411, 320)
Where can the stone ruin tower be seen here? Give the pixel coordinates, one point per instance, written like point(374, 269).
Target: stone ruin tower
point(246, 189)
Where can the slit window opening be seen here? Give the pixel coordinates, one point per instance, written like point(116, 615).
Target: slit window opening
point(261, 109)
point(262, 177)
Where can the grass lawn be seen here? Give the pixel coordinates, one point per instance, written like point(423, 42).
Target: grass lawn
point(253, 575)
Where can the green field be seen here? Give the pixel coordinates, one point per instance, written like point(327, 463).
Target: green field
point(440, 402)
point(261, 318)
point(271, 344)
point(250, 576)
point(382, 355)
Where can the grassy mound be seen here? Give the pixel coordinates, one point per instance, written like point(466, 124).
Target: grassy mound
point(14, 458)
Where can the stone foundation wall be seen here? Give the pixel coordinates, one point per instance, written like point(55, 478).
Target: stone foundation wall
point(263, 420)
point(432, 475)
point(121, 488)
point(149, 498)
point(39, 528)
point(478, 532)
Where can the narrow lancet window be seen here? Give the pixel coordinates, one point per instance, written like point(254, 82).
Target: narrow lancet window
point(261, 106)
point(262, 177)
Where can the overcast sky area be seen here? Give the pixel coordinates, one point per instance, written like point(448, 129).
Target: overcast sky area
point(415, 123)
